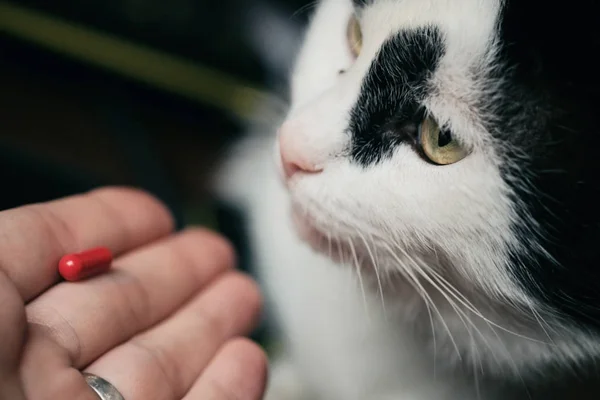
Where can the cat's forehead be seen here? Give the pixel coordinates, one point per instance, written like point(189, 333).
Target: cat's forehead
point(467, 25)
point(433, 10)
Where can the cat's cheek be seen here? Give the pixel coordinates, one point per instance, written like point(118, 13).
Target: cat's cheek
point(322, 243)
point(303, 229)
point(306, 231)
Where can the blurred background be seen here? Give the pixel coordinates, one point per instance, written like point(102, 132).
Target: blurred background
point(137, 92)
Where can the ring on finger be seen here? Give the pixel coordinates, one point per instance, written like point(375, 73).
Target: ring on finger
point(103, 389)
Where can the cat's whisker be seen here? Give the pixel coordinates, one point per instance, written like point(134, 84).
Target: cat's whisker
point(329, 246)
point(469, 306)
point(458, 296)
point(464, 301)
point(474, 359)
point(429, 305)
point(500, 341)
point(360, 279)
point(433, 338)
point(376, 269)
point(459, 312)
point(340, 252)
point(419, 267)
point(542, 323)
point(423, 293)
point(464, 318)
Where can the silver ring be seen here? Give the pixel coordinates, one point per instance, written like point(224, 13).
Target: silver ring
point(104, 389)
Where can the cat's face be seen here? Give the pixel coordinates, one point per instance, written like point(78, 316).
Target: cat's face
point(418, 141)
point(372, 87)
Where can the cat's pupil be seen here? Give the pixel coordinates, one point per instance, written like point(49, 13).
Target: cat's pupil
point(444, 138)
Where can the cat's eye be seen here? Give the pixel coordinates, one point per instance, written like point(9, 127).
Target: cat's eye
point(438, 145)
point(354, 36)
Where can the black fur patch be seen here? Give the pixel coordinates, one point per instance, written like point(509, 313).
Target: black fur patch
point(388, 109)
point(361, 3)
point(549, 113)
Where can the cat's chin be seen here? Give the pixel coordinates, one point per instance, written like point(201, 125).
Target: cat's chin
point(307, 231)
point(332, 245)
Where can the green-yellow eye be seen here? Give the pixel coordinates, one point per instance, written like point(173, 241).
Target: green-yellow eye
point(439, 146)
point(354, 36)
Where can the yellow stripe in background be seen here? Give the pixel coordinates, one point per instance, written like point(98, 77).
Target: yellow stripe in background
point(167, 72)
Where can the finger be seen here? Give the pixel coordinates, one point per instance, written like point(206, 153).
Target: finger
point(118, 218)
point(238, 372)
point(12, 327)
point(10, 387)
point(52, 377)
point(89, 318)
point(163, 363)
point(13, 332)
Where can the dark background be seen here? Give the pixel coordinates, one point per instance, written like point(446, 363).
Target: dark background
point(68, 124)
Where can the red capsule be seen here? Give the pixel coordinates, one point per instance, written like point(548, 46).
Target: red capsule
point(75, 267)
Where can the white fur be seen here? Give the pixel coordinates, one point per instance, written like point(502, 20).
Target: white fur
point(360, 335)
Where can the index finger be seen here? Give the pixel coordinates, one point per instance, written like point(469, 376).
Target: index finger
point(33, 238)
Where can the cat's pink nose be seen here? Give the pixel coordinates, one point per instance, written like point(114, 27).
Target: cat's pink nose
point(295, 157)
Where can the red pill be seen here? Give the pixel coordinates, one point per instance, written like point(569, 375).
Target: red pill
point(75, 267)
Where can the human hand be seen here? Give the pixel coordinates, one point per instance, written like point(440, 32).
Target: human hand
point(161, 324)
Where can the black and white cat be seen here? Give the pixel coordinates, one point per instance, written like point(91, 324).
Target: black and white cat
point(427, 224)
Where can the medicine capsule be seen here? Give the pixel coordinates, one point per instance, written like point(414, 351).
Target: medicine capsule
point(75, 267)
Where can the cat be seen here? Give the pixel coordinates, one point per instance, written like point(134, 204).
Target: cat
point(425, 217)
